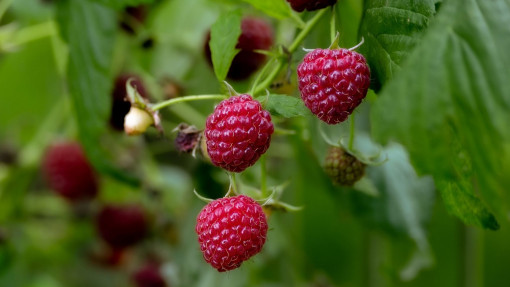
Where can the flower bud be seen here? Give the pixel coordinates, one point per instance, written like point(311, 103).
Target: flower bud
point(137, 121)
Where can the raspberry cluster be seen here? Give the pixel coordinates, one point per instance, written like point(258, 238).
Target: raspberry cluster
point(230, 231)
point(342, 167)
point(237, 133)
point(333, 83)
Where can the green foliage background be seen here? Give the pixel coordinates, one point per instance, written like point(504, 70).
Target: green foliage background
point(439, 111)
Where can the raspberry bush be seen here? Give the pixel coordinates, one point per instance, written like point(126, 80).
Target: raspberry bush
point(335, 143)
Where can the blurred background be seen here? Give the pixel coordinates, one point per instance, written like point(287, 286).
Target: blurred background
point(58, 80)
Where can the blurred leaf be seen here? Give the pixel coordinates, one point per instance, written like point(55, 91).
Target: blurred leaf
point(224, 35)
point(459, 102)
point(278, 9)
point(404, 204)
point(91, 34)
point(123, 3)
point(322, 232)
point(283, 105)
point(391, 29)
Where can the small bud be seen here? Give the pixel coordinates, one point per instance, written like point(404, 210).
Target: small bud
point(137, 121)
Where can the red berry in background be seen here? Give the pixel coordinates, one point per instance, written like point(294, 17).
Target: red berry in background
point(121, 226)
point(237, 133)
point(149, 276)
point(120, 102)
point(342, 167)
point(256, 34)
point(310, 5)
point(333, 83)
point(68, 171)
point(231, 230)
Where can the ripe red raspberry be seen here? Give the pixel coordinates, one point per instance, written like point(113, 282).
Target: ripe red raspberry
point(68, 171)
point(120, 102)
point(342, 167)
point(310, 5)
point(149, 276)
point(231, 230)
point(121, 226)
point(237, 133)
point(256, 34)
point(333, 83)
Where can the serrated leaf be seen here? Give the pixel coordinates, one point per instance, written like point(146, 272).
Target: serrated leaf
point(90, 30)
point(453, 95)
point(118, 4)
point(224, 35)
point(404, 204)
point(278, 9)
point(391, 29)
point(282, 105)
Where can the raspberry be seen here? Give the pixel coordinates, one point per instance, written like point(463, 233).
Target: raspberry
point(231, 230)
point(342, 167)
point(237, 133)
point(149, 276)
point(121, 226)
point(310, 5)
point(120, 103)
point(68, 171)
point(256, 34)
point(333, 83)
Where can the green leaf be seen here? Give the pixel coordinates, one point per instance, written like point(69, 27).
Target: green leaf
point(91, 30)
point(391, 29)
point(224, 35)
point(118, 4)
point(404, 204)
point(283, 105)
point(451, 101)
point(278, 9)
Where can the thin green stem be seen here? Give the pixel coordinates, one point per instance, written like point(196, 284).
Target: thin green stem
point(35, 32)
point(233, 185)
point(472, 256)
point(263, 176)
point(284, 132)
point(292, 48)
point(306, 30)
point(332, 24)
point(259, 76)
point(170, 102)
point(352, 132)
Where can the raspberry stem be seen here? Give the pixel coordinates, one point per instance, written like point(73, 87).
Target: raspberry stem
point(232, 190)
point(332, 24)
point(352, 131)
point(170, 102)
point(263, 176)
point(292, 48)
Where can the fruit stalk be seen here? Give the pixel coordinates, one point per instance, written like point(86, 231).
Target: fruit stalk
point(352, 132)
point(170, 102)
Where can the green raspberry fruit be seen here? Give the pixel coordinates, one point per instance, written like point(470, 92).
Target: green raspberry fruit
point(342, 167)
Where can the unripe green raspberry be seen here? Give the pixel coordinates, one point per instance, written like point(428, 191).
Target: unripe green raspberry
point(342, 167)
